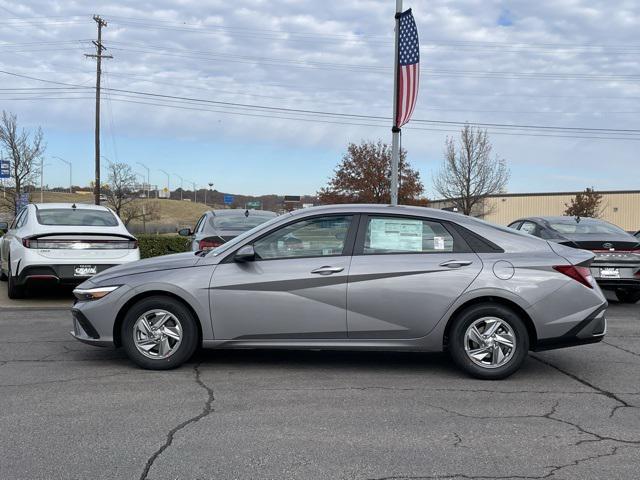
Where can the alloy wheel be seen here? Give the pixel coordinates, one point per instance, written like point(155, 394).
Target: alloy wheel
point(489, 342)
point(157, 334)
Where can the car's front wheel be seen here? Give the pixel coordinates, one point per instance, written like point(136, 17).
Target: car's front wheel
point(628, 296)
point(489, 341)
point(159, 333)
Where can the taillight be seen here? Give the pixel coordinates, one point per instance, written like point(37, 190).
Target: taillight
point(209, 243)
point(579, 274)
point(28, 243)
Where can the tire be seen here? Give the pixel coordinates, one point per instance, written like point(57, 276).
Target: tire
point(14, 291)
point(628, 296)
point(181, 322)
point(484, 316)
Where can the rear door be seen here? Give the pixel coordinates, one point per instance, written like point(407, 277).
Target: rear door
point(405, 273)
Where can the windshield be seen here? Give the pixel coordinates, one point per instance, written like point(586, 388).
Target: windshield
point(572, 227)
point(240, 238)
point(237, 222)
point(77, 217)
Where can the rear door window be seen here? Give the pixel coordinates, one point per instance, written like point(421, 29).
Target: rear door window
point(406, 235)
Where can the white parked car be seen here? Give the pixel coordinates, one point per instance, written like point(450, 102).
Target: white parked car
point(63, 243)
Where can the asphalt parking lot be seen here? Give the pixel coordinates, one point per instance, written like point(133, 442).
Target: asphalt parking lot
point(68, 410)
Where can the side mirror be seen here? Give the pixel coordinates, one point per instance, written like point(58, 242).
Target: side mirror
point(185, 232)
point(4, 226)
point(245, 254)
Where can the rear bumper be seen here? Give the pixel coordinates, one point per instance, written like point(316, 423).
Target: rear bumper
point(629, 274)
point(61, 274)
point(625, 283)
point(590, 330)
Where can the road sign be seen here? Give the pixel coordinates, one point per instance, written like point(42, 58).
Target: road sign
point(291, 198)
point(228, 199)
point(5, 169)
point(23, 200)
point(254, 205)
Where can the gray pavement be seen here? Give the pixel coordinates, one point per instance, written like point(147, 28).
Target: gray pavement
point(68, 410)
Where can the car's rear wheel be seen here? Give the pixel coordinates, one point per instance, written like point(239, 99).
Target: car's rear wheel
point(14, 291)
point(628, 296)
point(489, 341)
point(159, 333)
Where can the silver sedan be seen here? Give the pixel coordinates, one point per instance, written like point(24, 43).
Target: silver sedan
point(352, 277)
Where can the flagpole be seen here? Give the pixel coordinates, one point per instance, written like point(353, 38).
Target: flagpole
point(395, 131)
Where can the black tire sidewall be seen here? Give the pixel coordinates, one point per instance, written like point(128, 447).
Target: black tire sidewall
point(189, 332)
point(466, 318)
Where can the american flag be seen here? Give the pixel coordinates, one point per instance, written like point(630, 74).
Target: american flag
point(408, 68)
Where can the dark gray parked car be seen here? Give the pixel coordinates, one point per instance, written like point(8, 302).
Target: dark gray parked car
point(617, 263)
point(219, 226)
point(352, 277)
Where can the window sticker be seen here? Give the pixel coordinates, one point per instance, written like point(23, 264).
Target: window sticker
point(438, 243)
point(396, 234)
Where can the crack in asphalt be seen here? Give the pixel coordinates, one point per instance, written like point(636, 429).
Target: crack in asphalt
point(606, 393)
point(554, 469)
point(622, 348)
point(206, 410)
point(549, 416)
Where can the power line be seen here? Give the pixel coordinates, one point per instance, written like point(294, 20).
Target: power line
point(355, 117)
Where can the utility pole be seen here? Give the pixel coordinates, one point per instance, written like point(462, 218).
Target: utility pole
point(195, 193)
point(98, 56)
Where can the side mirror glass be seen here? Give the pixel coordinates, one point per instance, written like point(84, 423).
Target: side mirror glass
point(185, 232)
point(4, 226)
point(245, 254)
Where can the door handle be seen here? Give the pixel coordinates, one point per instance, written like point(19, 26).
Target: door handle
point(456, 263)
point(326, 270)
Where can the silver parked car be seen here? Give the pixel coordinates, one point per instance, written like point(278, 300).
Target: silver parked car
point(617, 263)
point(352, 277)
point(219, 226)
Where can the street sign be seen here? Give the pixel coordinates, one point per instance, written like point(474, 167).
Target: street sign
point(23, 200)
point(291, 198)
point(254, 205)
point(5, 169)
point(228, 199)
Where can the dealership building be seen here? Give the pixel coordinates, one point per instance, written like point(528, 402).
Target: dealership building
point(620, 207)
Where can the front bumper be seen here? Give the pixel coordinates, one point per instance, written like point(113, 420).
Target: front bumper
point(85, 332)
point(590, 330)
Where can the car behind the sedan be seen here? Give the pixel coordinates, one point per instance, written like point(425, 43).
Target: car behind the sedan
point(62, 243)
point(617, 253)
point(352, 277)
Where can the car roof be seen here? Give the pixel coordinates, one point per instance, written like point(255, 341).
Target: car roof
point(88, 206)
point(385, 209)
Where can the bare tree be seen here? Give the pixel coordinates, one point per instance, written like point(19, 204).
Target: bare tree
point(24, 150)
point(469, 173)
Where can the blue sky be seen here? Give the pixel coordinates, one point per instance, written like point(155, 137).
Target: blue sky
point(569, 63)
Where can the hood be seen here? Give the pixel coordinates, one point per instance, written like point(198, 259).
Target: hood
point(164, 262)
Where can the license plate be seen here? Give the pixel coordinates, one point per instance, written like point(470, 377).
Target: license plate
point(85, 270)
point(609, 273)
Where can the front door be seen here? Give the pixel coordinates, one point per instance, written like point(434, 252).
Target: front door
point(296, 287)
point(405, 274)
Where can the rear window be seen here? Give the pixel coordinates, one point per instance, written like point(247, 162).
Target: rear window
point(239, 222)
point(582, 228)
point(76, 217)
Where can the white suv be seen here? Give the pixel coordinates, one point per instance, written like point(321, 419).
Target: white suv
point(63, 243)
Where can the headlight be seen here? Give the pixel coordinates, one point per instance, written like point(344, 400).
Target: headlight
point(93, 293)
